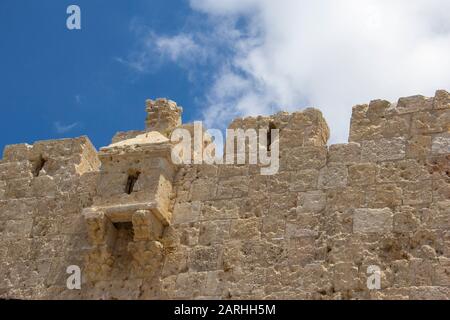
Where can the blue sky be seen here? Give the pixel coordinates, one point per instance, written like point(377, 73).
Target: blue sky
point(217, 59)
point(57, 83)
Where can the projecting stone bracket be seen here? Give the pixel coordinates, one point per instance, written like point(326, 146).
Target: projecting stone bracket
point(145, 249)
point(102, 236)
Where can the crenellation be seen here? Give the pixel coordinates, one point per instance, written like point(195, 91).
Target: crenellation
point(142, 227)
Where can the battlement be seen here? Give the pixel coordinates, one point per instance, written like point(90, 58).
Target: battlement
point(140, 226)
point(162, 115)
point(409, 117)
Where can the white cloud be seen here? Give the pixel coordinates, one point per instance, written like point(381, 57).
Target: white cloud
point(177, 47)
point(61, 128)
point(289, 54)
point(153, 49)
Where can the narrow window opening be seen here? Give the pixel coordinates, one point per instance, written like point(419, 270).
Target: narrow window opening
point(38, 166)
point(128, 226)
point(269, 135)
point(132, 179)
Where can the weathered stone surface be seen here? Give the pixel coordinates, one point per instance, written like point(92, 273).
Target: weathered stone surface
point(418, 147)
point(431, 122)
point(333, 176)
point(414, 104)
point(186, 212)
point(140, 227)
point(362, 174)
point(441, 100)
point(372, 221)
point(441, 143)
point(345, 153)
point(383, 149)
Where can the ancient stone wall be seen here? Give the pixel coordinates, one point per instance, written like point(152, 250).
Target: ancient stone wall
point(311, 231)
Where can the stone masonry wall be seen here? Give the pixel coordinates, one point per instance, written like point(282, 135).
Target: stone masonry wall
point(309, 232)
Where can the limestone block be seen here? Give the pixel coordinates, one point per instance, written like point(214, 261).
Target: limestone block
point(438, 166)
point(273, 227)
point(437, 216)
point(147, 258)
point(421, 272)
point(441, 189)
point(373, 221)
point(395, 126)
point(430, 122)
point(246, 229)
point(17, 152)
point(214, 284)
point(441, 100)
point(163, 115)
point(332, 176)
point(345, 277)
point(281, 204)
point(266, 253)
point(377, 109)
point(311, 202)
point(18, 188)
point(416, 193)
point(205, 258)
point(111, 184)
point(211, 171)
point(405, 219)
point(362, 174)
point(383, 150)
point(44, 186)
point(418, 147)
point(101, 231)
point(15, 170)
point(220, 209)
point(203, 189)
point(188, 234)
point(146, 226)
point(414, 104)
point(214, 232)
point(302, 228)
point(358, 121)
point(429, 293)
point(186, 212)
point(227, 171)
point(303, 180)
point(254, 206)
point(99, 263)
point(189, 284)
point(234, 187)
point(345, 153)
point(403, 170)
point(18, 209)
point(16, 228)
point(45, 225)
point(2, 189)
point(442, 272)
point(384, 195)
point(340, 199)
point(302, 158)
point(175, 262)
point(338, 222)
point(301, 250)
point(441, 144)
point(310, 119)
